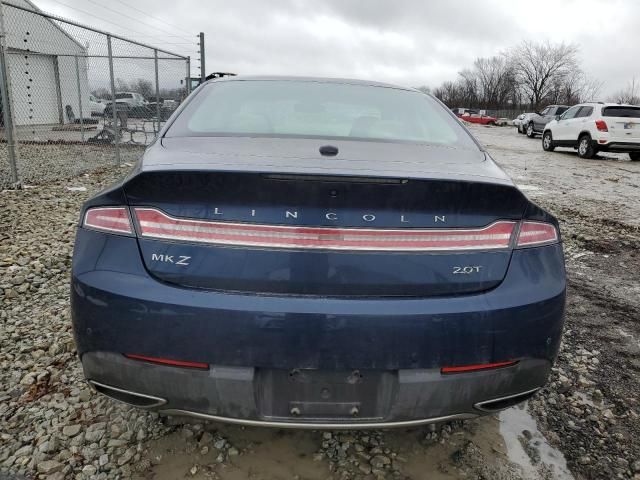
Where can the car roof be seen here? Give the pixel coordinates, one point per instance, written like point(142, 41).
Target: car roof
point(609, 104)
point(344, 81)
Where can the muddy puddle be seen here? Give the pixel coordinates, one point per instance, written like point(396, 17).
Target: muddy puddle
point(529, 449)
point(505, 446)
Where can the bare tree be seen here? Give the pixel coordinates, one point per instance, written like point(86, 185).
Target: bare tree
point(495, 79)
point(589, 89)
point(488, 84)
point(576, 87)
point(143, 87)
point(121, 85)
point(468, 87)
point(449, 94)
point(539, 67)
point(629, 94)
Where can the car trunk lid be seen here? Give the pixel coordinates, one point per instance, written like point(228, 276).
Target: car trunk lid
point(623, 122)
point(296, 233)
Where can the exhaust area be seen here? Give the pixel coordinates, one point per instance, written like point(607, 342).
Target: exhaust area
point(497, 404)
point(135, 399)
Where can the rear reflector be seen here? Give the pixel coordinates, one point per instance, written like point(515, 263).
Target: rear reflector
point(536, 233)
point(475, 368)
point(108, 219)
point(156, 224)
point(166, 361)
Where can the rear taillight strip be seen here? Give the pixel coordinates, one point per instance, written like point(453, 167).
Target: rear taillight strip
point(536, 233)
point(156, 224)
point(108, 219)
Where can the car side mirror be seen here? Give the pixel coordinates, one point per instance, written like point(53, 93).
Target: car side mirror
point(558, 117)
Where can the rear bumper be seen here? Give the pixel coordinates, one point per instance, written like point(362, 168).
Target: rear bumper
point(240, 395)
point(615, 146)
point(117, 307)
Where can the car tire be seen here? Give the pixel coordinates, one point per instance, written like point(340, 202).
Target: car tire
point(585, 147)
point(634, 156)
point(547, 142)
point(531, 133)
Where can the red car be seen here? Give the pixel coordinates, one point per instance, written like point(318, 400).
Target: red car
point(473, 116)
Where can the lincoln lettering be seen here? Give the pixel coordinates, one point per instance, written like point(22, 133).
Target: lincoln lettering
point(331, 216)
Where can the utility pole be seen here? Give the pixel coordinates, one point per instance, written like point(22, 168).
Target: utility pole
point(203, 70)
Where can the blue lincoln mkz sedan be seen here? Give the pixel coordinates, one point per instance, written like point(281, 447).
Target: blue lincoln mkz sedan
point(308, 252)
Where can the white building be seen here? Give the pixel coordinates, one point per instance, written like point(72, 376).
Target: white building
point(41, 58)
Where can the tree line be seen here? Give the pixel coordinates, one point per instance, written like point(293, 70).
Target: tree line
point(142, 86)
point(528, 76)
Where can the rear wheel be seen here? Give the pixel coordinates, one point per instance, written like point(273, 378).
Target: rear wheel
point(634, 156)
point(585, 147)
point(547, 142)
point(530, 131)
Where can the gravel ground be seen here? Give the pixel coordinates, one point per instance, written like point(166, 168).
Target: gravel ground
point(39, 163)
point(53, 426)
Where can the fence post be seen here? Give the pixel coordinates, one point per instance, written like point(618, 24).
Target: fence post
point(7, 113)
point(80, 100)
point(188, 84)
point(114, 112)
point(203, 69)
point(158, 110)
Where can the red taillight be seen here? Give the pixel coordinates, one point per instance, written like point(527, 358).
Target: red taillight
point(156, 224)
point(167, 361)
point(536, 233)
point(108, 219)
point(601, 125)
point(478, 367)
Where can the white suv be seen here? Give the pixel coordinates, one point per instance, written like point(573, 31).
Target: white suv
point(596, 127)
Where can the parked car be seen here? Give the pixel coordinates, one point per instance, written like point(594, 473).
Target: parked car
point(536, 121)
point(133, 99)
point(479, 118)
point(96, 106)
point(521, 122)
point(518, 120)
point(120, 106)
point(596, 127)
point(172, 104)
point(522, 127)
point(317, 253)
point(132, 102)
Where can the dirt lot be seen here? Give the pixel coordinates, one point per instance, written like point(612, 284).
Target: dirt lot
point(584, 425)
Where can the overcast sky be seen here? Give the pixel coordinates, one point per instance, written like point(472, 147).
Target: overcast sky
point(412, 43)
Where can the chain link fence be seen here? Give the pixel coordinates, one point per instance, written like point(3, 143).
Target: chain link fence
point(76, 99)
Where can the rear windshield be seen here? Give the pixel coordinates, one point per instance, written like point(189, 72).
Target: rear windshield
point(630, 112)
point(295, 108)
point(124, 95)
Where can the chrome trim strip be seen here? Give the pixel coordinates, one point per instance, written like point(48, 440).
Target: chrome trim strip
point(295, 231)
point(319, 426)
point(159, 401)
point(480, 405)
